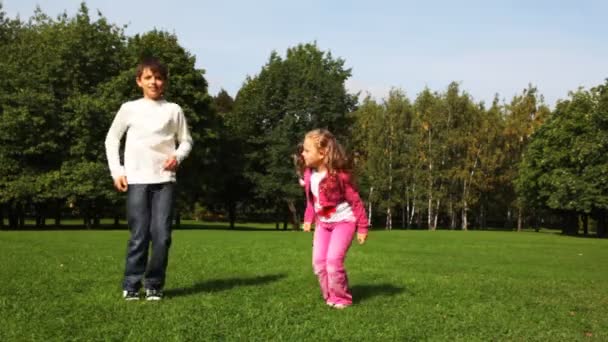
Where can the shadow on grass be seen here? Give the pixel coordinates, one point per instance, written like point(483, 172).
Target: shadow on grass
point(217, 285)
point(363, 292)
point(109, 227)
point(226, 227)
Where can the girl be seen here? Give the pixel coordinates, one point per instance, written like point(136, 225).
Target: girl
point(333, 201)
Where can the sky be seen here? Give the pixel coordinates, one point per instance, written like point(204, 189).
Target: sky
point(489, 47)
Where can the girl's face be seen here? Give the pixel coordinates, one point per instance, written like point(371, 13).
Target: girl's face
point(313, 157)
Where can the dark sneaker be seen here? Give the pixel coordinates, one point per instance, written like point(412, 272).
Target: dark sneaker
point(130, 295)
point(152, 294)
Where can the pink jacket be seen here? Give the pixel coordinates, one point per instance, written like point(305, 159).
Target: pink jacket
point(333, 190)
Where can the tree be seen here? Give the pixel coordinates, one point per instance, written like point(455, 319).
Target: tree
point(188, 88)
point(382, 135)
point(275, 108)
point(367, 129)
point(430, 113)
point(231, 188)
point(525, 114)
point(63, 81)
point(223, 102)
point(565, 167)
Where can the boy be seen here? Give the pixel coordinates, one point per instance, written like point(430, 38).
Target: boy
point(151, 158)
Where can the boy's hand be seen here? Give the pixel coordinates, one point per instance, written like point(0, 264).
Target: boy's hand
point(120, 183)
point(170, 164)
point(361, 238)
point(306, 226)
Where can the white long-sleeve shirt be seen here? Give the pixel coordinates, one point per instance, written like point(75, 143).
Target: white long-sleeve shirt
point(153, 128)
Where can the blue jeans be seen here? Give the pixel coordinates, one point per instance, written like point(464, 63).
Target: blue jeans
point(149, 212)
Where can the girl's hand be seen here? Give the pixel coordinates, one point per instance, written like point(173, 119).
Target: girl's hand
point(306, 226)
point(361, 238)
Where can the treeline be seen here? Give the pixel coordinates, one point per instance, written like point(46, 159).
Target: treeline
point(439, 160)
point(63, 80)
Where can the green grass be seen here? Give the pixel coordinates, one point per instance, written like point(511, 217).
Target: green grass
point(258, 285)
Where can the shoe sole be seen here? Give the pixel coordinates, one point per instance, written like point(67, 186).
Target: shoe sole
point(124, 296)
point(340, 306)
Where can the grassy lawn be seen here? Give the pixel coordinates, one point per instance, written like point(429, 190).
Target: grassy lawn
point(258, 285)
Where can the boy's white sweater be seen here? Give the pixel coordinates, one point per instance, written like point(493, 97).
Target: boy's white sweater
point(153, 129)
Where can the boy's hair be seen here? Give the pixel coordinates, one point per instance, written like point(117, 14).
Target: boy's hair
point(337, 160)
point(154, 65)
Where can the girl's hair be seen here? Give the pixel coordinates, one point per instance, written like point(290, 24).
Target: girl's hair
point(336, 158)
point(298, 160)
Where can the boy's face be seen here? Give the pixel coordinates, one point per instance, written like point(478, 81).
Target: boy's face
point(152, 84)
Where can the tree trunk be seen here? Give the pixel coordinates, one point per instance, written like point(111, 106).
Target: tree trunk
point(369, 206)
point(21, 220)
point(96, 221)
point(601, 225)
point(406, 219)
point(412, 209)
point(389, 214)
point(178, 218)
point(37, 215)
point(430, 189)
point(13, 216)
point(585, 224)
point(294, 215)
point(436, 215)
point(482, 216)
point(2, 216)
point(520, 219)
point(465, 212)
point(232, 214)
point(537, 221)
point(569, 223)
point(94, 214)
point(412, 213)
point(389, 219)
point(430, 212)
point(116, 220)
point(21, 212)
point(452, 215)
point(57, 213)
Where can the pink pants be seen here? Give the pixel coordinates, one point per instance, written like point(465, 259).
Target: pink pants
point(331, 242)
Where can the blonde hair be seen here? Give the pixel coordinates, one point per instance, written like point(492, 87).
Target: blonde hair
point(298, 160)
point(336, 158)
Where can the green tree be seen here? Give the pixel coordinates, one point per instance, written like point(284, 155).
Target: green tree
point(224, 103)
point(188, 88)
point(565, 167)
point(232, 189)
point(64, 79)
point(431, 114)
point(382, 136)
point(274, 109)
point(368, 127)
point(524, 115)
